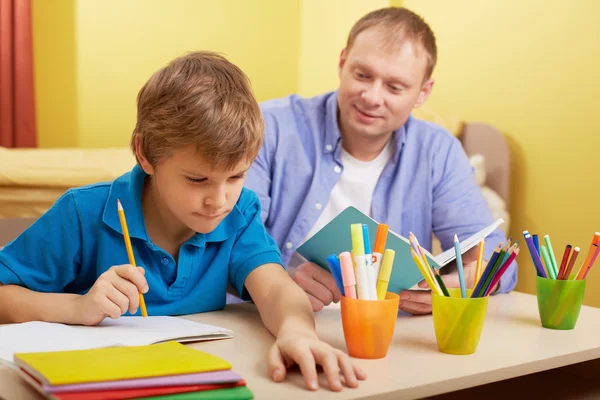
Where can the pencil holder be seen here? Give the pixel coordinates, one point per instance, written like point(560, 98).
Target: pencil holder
point(559, 302)
point(458, 321)
point(369, 325)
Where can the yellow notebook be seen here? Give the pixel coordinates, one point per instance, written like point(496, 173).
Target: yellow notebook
point(117, 363)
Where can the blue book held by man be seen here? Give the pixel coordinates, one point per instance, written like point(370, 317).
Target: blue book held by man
point(334, 238)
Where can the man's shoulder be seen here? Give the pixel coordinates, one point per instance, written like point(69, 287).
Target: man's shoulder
point(428, 133)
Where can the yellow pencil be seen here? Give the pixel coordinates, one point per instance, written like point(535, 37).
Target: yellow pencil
point(478, 268)
point(130, 251)
point(426, 274)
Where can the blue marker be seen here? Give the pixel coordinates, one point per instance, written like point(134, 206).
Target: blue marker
point(371, 278)
point(336, 271)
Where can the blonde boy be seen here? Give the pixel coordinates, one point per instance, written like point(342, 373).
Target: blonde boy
point(193, 227)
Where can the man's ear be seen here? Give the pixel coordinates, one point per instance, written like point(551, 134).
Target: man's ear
point(425, 92)
point(342, 62)
point(144, 163)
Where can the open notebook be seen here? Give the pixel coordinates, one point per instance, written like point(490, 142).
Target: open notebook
point(33, 337)
point(335, 238)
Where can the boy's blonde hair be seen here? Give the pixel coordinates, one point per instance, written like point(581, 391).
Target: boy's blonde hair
point(399, 24)
point(199, 99)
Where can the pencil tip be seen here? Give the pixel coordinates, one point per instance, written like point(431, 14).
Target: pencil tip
point(455, 237)
point(119, 204)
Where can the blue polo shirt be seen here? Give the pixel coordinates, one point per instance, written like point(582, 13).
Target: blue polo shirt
point(80, 237)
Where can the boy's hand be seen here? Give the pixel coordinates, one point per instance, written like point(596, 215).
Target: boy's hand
point(306, 350)
point(319, 285)
point(114, 292)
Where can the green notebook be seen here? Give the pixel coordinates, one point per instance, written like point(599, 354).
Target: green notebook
point(234, 393)
point(335, 238)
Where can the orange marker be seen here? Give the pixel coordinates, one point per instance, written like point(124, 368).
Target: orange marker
point(378, 248)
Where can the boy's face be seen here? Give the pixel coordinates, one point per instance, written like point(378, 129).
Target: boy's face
point(197, 196)
point(380, 86)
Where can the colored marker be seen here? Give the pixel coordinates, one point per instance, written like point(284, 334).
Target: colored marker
point(386, 272)
point(336, 271)
point(348, 278)
point(379, 247)
point(371, 277)
point(552, 258)
point(360, 267)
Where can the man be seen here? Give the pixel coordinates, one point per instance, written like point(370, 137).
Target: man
point(360, 146)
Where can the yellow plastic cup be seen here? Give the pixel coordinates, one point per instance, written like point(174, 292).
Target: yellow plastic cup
point(559, 302)
point(458, 321)
point(369, 325)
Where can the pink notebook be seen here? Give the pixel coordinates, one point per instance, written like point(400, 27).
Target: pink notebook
point(216, 377)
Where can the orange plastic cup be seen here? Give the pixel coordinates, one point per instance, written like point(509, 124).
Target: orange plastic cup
point(369, 325)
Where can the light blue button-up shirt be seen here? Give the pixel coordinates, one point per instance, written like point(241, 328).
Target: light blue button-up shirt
point(427, 186)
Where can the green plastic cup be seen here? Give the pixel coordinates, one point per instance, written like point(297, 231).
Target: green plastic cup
point(559, 302)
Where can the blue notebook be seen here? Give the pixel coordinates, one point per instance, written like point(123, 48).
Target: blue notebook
point(335, 238)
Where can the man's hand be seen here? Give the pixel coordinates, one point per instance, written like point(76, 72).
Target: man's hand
point(318, 284)
point(419, 301)
point(114, 293)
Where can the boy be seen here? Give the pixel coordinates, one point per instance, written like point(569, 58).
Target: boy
point(192, 226)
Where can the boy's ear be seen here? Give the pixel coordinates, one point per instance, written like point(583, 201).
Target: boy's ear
point(144, 163)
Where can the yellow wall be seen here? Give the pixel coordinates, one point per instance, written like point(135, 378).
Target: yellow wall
point(530, 68)
point(324, 28)
point(112, 47)
point(55, 72)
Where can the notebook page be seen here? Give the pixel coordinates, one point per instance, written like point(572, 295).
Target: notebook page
point(467, 244)
point(138, 331)
point(32, 337)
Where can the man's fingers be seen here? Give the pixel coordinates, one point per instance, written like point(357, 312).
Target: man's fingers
point(314, 288)
point(324, 278)
point(415, 308)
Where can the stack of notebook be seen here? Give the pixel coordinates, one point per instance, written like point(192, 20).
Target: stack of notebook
point(161, 371)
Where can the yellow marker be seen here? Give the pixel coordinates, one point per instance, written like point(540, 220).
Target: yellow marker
point(385, 273)
point(360, 266)
point(130, 251)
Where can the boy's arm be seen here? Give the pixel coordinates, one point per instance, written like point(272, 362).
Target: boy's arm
point(21, 305)
point(287, 313)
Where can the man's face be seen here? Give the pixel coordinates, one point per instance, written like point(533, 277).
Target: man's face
point(380, 85)
point(194, 194)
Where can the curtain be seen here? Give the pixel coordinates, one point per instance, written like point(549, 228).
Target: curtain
point(17, 103)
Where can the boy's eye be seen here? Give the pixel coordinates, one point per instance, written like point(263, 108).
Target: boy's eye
point(195, 180)
point(240, 176)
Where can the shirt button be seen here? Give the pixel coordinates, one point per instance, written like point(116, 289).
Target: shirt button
point(318, 206)
point(328, 147)
point(288, 245)
point(164, 261)
point(337, 169)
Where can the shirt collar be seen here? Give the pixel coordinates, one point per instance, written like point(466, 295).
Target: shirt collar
point(129, 188)
point(333, 134)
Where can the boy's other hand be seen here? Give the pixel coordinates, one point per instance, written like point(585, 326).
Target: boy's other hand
point(306, 351)
point(114, 293)
point(318, 284)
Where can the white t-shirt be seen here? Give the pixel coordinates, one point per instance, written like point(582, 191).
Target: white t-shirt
point(355, 188)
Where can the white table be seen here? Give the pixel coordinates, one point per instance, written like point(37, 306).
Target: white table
point(513, 344)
